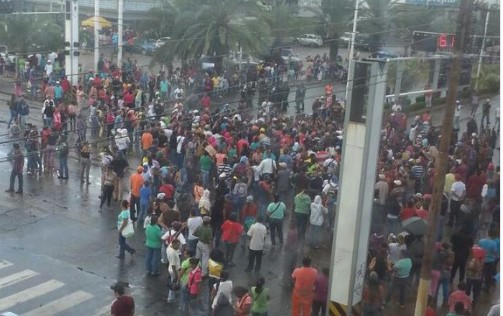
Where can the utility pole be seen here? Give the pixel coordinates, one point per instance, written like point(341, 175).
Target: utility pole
point(482, 51)
point(463, 26)
point(120, 30)
point(96, 34)
point(351, 50)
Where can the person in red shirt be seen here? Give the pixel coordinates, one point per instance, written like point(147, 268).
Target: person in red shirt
point(474, 185)
point(423, 211)
point(408, 211)
point(123, 305)
point(231, 232)
point(168, 189)
point(303, 289)
point(460, 296)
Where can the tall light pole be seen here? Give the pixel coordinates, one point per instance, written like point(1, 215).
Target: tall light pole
point(96, 34)
point(482, 51)
point(120, 29)
point(351, 49)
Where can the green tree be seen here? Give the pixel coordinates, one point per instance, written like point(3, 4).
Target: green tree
point(283, 25)
point(336, 16)
point(213, 28)
point(27, 34)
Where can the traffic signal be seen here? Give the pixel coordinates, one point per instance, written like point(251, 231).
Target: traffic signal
point(442, 41)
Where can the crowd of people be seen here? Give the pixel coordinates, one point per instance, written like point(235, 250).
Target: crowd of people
point(206, 181)
point(467, 238)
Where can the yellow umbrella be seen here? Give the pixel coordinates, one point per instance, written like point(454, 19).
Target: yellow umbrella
point(104, 23)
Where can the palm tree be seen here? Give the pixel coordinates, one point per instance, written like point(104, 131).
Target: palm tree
point(283, 25)
point(26, 34)
point(335, 16)
point(213, 28)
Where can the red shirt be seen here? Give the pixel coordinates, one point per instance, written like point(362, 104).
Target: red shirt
point(422, 213)
point(408, 212)
point(167, 189)
point(231, 231)
point(474, 186)
point(459, 296)
point(123, 306)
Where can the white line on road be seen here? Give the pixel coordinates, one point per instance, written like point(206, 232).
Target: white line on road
point(5, 264)
point(16, 277)
point(61, 304)
point(28, 294)
point(105, 310)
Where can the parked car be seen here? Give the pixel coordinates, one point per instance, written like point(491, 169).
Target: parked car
point(310, 40)
point(362, 42)
point(145, 46)
point(161, 41)
point(383, 55)
point(345, 40)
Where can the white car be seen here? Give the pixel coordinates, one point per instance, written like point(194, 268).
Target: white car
point(161, 41)
point(310, 40)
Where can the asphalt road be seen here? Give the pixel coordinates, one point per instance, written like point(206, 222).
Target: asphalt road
point(56, 247)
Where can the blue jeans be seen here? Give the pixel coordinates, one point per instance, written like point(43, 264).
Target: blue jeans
point(152, 259)
point(444, 283)
point(205, 178)
point(399, 284)
point(315, 235)
point(301, 224)
point(63, 167)
point(13, 116)
point(123, 246)
point(393, 225)
point(276, 226)
point(184, 298)
point(192, 244)
point(142, 212)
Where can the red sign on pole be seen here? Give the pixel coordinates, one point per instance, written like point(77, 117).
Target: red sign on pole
point(442, 41)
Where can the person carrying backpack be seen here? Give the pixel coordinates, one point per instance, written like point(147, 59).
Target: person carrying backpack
point(23, 110)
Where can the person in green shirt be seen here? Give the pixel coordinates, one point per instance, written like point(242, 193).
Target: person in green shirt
point(260, 296)
point(276, 214)
point(302, 208)
point(205, 162)
point(153, 244)
point(183, 276)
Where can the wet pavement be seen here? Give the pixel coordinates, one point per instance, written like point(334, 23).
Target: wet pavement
point(56, 231)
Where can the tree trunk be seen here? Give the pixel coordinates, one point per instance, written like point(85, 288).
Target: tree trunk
point(439, 180)
point(334, 47)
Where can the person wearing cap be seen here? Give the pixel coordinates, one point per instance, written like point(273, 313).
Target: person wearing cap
point(123, 305)
point(135, 183)
point(395, 202)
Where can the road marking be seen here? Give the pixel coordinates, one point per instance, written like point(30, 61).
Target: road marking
point(26, 295)
point(16, 277)
point(105, 310)
point(5, 264)
point(61, 304)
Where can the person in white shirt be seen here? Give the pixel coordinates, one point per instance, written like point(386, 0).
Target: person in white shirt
point(458, 192)
point(267, 166)
point(222, 290)
point(173, 253)
point(193, 222)
point(331, 165)
point(257, 233)
point(316, 220)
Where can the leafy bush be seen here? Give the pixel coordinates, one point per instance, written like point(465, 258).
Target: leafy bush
point(418, 106)
point(439, 101)
point(420, 99)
